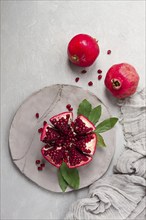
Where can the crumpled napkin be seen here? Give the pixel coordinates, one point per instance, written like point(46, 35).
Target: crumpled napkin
point(121, 195)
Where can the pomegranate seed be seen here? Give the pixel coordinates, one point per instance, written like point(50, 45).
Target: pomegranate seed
point(71, 109)
point(90, 83)
point(44, 123)
point(37, 115)
point(40, 130)
point(42, 164)
point(68, 106)
point(77, 79)
point(40, 168)
point(99, 71)
point(83, 71)
point(109, 52)
point(37, 161)
point(99, 77)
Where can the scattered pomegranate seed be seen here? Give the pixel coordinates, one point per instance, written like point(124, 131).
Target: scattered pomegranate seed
point(109, 52)
point(40, 130)
point(68, 106)
point(40, 168)
point(90, 83)
point(44, 123)
point(83, 71)
point(99, 77)
point(37, 115)
point(42, 164)
point(99, 71)
point(77, 79)
point(70, 109)
point(37, 161)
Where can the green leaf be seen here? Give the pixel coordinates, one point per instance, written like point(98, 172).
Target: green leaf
point(84, 108)
point(95, 114)
point(100, 141)
point(63, 184)
point(106, 125)
point(71, 176)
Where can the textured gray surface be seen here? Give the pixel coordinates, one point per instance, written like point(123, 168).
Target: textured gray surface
point(24, 140)
point(34, 38)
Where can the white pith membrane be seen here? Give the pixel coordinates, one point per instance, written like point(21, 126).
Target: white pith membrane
point(74, 148)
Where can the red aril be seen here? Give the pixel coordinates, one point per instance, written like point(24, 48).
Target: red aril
point(86, 143)
point(37, 115)
point(77, 159)
point(90, 83)
point(40, 168)
point(48, 134)
point(99, 77)
point(61, 121)
point(83, 50)
point(37, 161)
point(77, 79)
point(83, 126)
point(53, 155)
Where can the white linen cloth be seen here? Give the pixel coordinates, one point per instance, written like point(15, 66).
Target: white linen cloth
point(121, 195)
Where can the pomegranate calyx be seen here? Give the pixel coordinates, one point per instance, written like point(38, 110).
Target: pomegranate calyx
point(75, 58)
point(116, 83)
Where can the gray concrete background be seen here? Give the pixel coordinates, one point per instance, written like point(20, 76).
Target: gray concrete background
point(34, 38)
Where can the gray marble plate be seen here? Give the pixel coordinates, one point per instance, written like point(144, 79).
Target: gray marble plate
point(24, 139)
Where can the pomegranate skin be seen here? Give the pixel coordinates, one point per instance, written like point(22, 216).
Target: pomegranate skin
point(122, 80)
point(83, 50)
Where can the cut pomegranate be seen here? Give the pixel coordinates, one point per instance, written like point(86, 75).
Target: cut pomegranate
point(71, 142)
point(87, 144)
point(54, 155)
point(48, 134)
point(83, 126)
point(77, 159)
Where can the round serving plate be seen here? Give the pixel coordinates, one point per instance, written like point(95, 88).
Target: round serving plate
point(24, 139)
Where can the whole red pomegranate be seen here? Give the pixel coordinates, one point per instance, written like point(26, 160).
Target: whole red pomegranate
point(122, 80)
point(83, 50)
